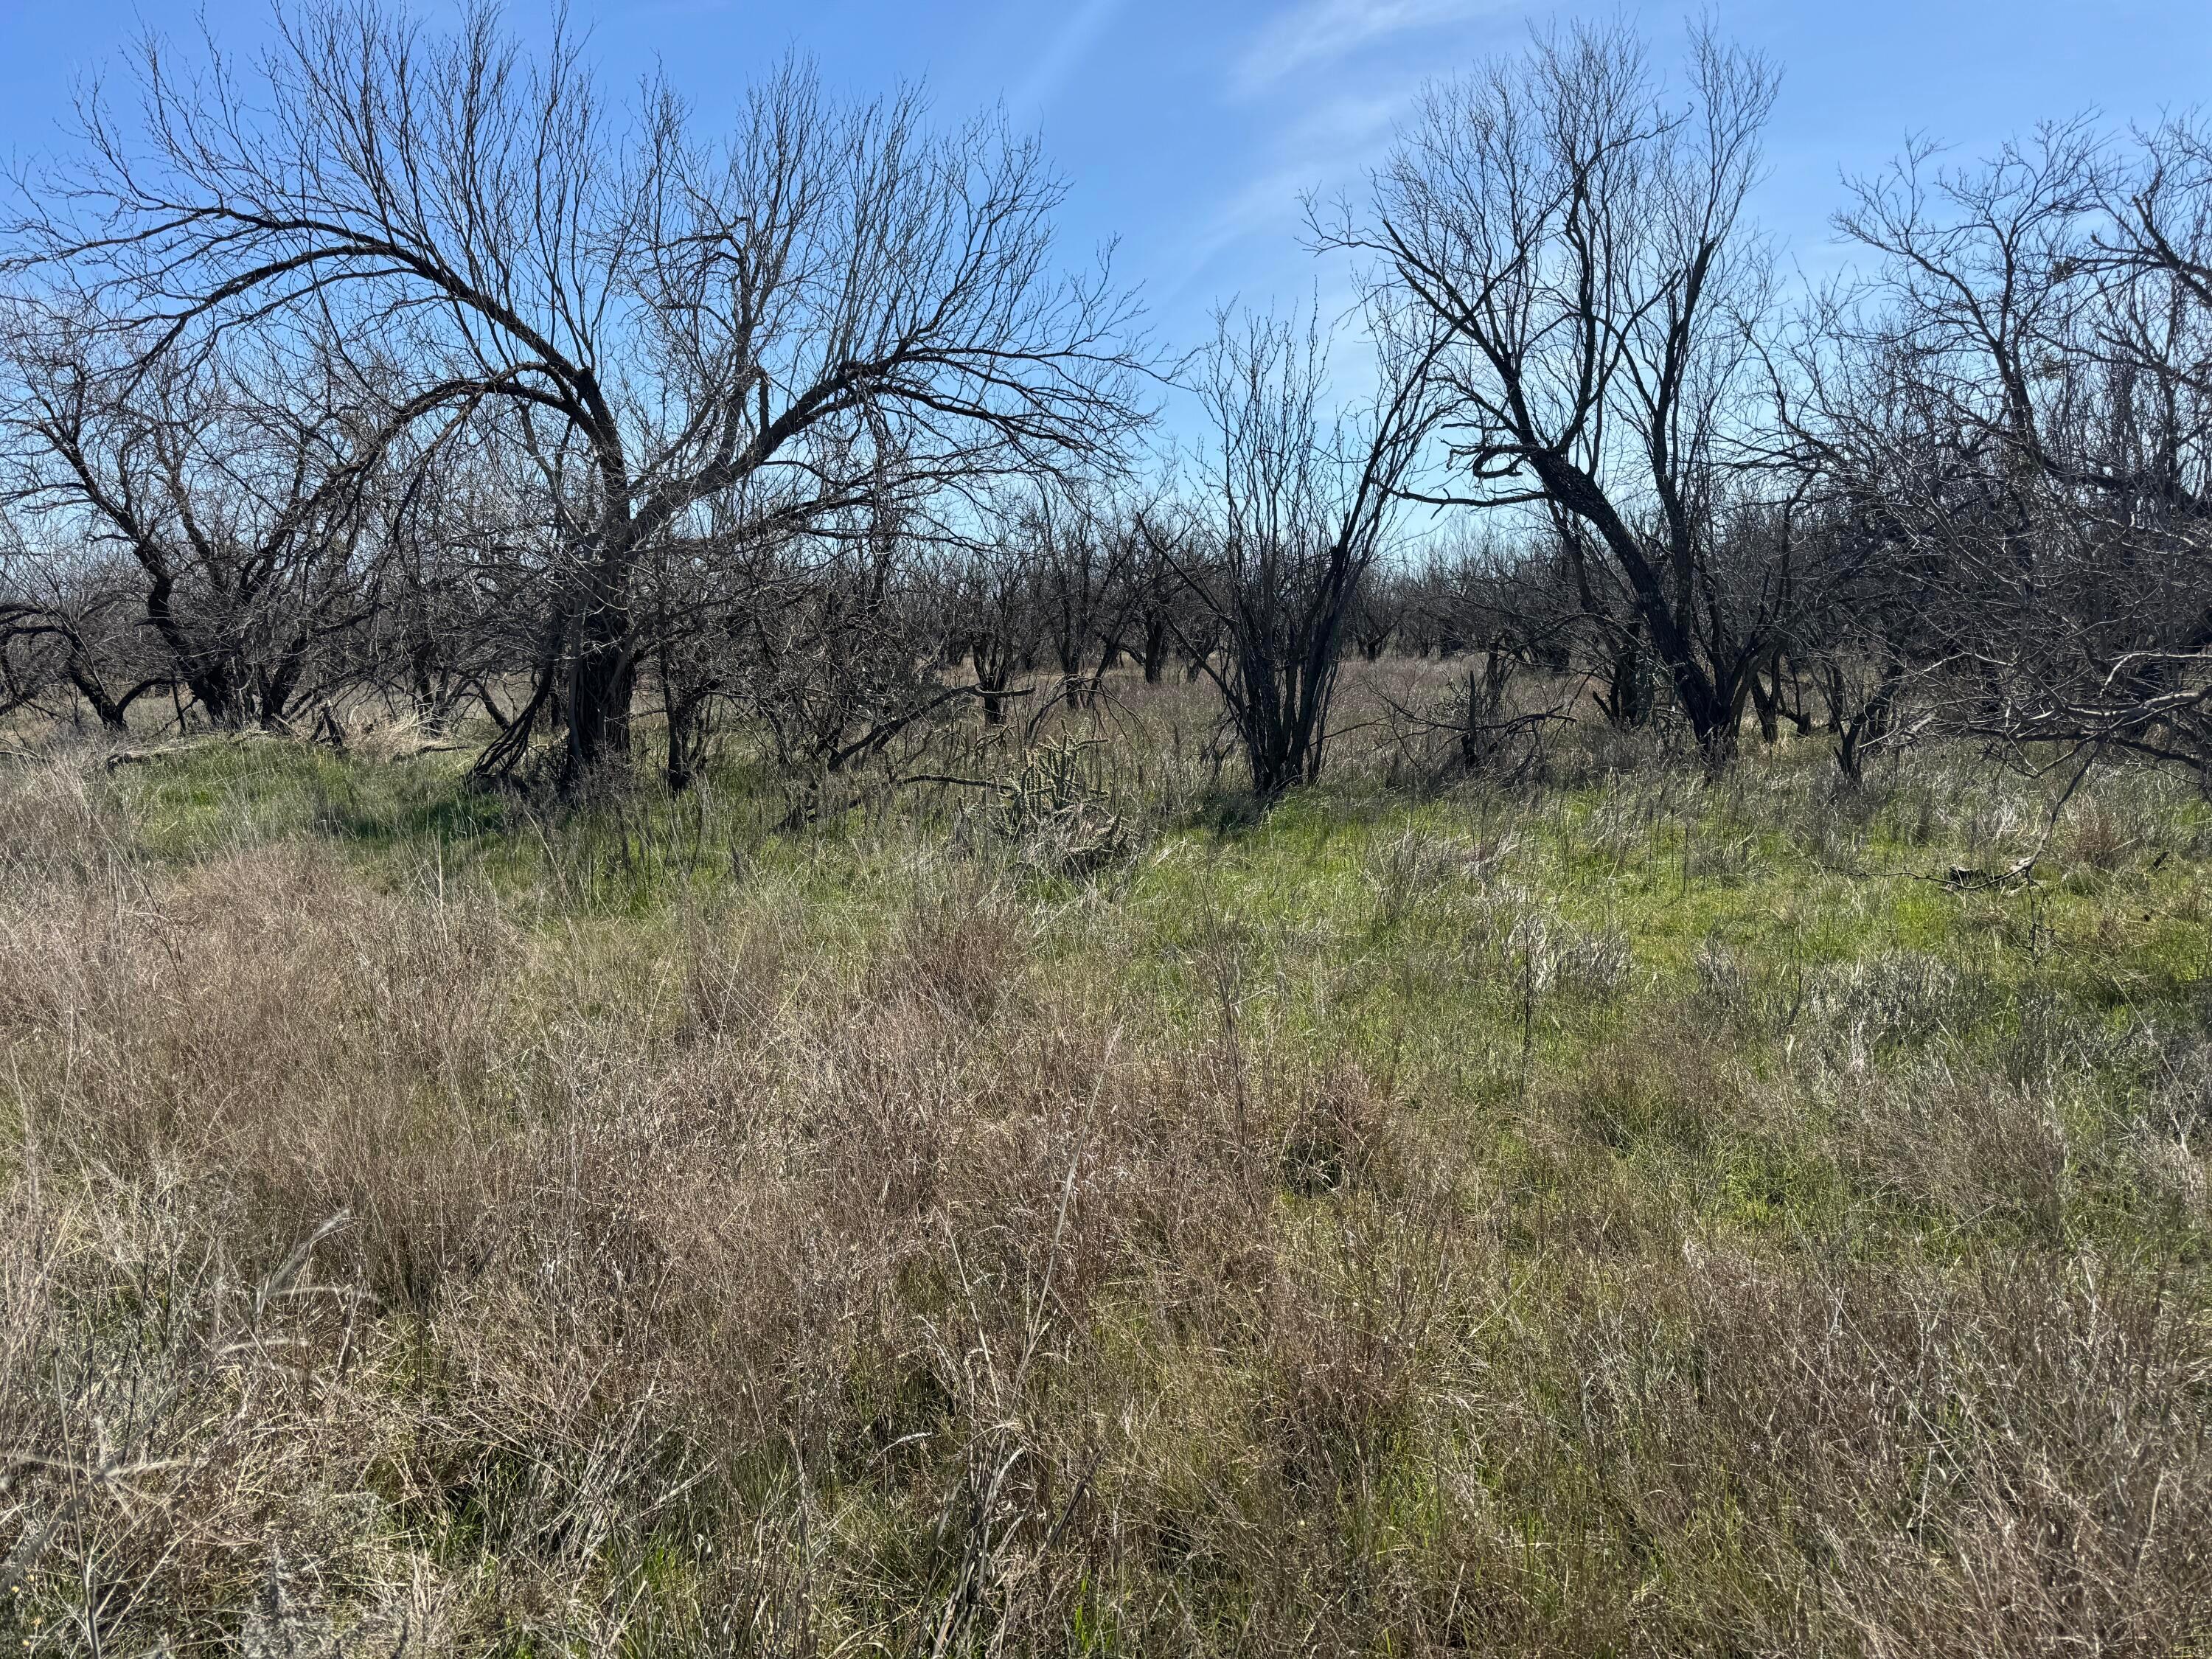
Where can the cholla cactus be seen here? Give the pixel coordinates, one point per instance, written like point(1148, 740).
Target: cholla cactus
point(1055, 807)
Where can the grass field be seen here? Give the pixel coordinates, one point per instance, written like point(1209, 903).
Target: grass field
point(1612, 1215)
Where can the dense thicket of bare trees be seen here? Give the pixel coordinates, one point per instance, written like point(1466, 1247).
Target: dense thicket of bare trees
point(828, 305)
point(398, 366)
point(2009, 421)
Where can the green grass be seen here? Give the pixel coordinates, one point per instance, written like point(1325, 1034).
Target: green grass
point(1624, 1215)
point(1348, 928)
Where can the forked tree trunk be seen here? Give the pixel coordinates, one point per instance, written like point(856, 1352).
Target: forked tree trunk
point(110, 711)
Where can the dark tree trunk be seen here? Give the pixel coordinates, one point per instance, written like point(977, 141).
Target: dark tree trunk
point(603, 680)
point(598, 709)
point(687, 742)
point(992, 682)
point(1156, 648)
point(1864, 732)
point(1766, 701)
point(421, 662)
point(1630, 696)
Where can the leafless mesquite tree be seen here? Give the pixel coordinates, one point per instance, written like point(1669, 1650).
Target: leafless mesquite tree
point(2015, 413)
point(236, 497)
point(826, 292)
point(1296, 507)
point(994, 602)
point(69, 639)
point(1582, 242)
point(1085, 549)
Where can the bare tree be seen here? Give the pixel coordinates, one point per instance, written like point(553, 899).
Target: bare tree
point(1583, 244)
point(1298, 507)
point(2016, 412)
point(997, 600)
point(1379, 612)
point(1160, 609)
point(1082, 559)
point(70, 639)
point(826, 292)
point(242, 485)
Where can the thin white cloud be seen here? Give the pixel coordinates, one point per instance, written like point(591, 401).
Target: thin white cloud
point(1268, 204)
point(1063, 53)
point(1325, 148)
point(1316, 33)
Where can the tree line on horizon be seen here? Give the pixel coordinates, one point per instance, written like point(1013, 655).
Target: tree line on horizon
point(402, 367)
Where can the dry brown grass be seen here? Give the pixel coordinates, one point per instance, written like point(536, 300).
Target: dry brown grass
point(389, 1266)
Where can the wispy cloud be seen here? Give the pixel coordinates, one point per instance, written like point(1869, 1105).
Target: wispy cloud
point(1319, 88)
point(1320, 151)
point(1316, 33)
point(1062, 53)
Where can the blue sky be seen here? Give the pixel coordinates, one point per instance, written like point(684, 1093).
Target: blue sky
point(1188, 128)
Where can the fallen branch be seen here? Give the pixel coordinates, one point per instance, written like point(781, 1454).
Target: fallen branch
point(1963, 879)
point(191, 746)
